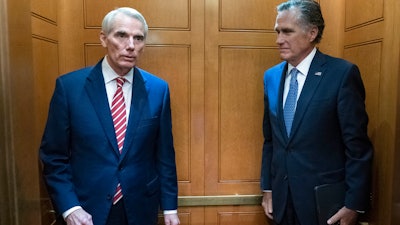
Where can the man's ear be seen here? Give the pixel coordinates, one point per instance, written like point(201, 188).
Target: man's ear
point(103, 38)
point(313, 33)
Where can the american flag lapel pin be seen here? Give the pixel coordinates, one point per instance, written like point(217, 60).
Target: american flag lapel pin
point(318, 73)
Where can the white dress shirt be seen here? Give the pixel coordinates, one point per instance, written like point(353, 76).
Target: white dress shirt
point(109, 76)
point(302, 68)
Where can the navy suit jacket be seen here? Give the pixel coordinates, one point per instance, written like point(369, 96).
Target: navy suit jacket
point(82, 164)
point(328, 141)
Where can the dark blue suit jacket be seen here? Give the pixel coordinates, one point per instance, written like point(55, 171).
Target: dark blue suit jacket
point(82, 164)
point(328, 143)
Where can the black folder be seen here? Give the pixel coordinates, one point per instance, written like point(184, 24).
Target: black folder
point(329, 199)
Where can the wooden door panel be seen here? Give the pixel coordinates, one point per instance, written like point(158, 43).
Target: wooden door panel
point(234, 137)
point(47, 10)
point(239, 46)
point(235, 62)
point(240, 112)
point(255, 15)
point(369, 66)
point(45, 70)
point(188, 216)
point(176, 71)
point(159, 14)
point(93, 53)
point(371, 11)
point(235, 215)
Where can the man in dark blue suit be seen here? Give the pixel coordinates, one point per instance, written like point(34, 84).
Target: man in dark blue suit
point(315, 124)
point(109, 167)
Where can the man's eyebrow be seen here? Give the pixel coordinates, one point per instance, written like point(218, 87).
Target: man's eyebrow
point(120, 32)
point(285, 30)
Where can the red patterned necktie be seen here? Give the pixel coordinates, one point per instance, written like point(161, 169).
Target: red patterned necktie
point(118, 112)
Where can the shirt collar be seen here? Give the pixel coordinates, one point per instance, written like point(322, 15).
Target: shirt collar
point(109, 74)
point(304, 65)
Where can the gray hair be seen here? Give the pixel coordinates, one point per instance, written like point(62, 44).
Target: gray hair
point(109, 19)
point(310, 14)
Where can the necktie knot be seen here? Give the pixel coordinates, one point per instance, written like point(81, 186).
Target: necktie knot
point(293, 74)
point(120, 81)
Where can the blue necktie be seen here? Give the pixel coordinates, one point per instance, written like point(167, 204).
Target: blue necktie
point(290, 104)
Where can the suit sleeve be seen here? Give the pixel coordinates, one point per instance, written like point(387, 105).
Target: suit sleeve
point(359, 151)
point(54, 152)
point(267, 146)
point(166, 157)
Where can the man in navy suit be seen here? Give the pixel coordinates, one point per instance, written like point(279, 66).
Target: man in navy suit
point(84, 166)
point(323, 138)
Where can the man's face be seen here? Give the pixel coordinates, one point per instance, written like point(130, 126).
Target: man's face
point(125, 43)
point(295, 42)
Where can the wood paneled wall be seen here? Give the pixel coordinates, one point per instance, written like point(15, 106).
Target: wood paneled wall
point(371, 40)
point(6, 207)
point(19, 165)
point(213, 54)
point(45, 57)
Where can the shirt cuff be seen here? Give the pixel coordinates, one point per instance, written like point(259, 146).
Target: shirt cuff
point(166, 212)
point(69, 211)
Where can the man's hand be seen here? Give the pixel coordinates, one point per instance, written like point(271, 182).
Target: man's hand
point(345, 216)
point(171, 219)
point(79, 217)
point(267, 204)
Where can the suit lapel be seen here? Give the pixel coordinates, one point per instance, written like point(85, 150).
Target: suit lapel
point(96, 91)
point(280, 101)
point(314, 76)
point(139, 99)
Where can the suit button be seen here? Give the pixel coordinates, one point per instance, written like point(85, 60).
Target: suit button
point(109, 197)
point(285, 177)
point(120, 168)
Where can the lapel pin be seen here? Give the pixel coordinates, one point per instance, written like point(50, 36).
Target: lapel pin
point(318, 73)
